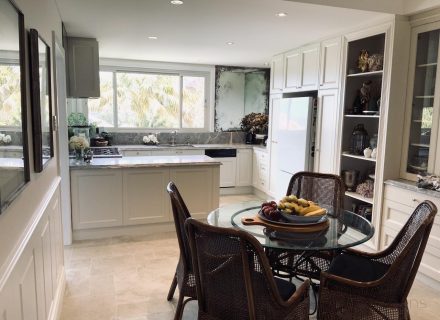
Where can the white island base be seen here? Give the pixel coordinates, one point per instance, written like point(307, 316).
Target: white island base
point(128, 196)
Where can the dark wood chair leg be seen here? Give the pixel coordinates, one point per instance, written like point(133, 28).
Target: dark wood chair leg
point(172, 288)
point(179, 307)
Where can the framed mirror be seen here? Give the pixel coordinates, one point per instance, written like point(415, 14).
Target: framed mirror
point(14, 164)
point(41, 100)
point(239, 91)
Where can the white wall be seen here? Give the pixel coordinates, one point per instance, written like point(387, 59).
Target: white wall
point(43, 16)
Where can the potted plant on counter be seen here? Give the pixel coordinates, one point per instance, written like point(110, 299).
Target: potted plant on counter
point(255, 124)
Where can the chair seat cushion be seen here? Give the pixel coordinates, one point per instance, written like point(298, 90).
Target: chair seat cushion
point(285, 288)
point(357, 268)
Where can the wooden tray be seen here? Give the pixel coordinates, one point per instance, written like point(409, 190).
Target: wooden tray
point(257, 221)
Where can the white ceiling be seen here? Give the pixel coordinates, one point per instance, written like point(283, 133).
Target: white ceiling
point(197, 31)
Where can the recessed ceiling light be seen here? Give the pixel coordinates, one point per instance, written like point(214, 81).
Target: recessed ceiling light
point(281, 14)
point(176, 2)
point(229, 43)
point(266, 64)
point(152, 37)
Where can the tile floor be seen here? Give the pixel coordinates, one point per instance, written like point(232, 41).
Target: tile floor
point(127, 278)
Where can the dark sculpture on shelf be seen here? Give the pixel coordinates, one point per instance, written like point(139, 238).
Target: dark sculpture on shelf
point(359, 140)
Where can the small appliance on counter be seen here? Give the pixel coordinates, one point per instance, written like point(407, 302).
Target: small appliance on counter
point(98, 140)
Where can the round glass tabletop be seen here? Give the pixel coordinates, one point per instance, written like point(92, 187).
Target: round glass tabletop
point(346, 231)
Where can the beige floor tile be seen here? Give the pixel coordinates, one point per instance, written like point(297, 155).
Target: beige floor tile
point(128, 278)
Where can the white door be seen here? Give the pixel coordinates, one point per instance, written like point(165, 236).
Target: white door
point(327, 132)
point(292, 65)
point(62, 147)
point(330, 63)
point(309, 68)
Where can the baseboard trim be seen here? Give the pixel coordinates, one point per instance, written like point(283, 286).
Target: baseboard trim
point(7, 268)
point(139, 230)
point(261, 194)
point(236, 190)
point(57, 304)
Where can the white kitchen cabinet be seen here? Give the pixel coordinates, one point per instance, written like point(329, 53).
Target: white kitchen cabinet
point(179, 152)
point(330, 65)
point(136, 153)
point(137, 196)
point(292, 66)
point(398, 205)
point(145, 196)
point(227, 172)
point(244, 168)
point(82, 68)
point(421, 153)
point(199, 187)
point(301, 69)
point(277, 74)
point(96, 198)
point(326, 144)
point(260, 178)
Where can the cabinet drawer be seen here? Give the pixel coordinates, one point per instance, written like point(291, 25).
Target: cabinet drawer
point(405, 197)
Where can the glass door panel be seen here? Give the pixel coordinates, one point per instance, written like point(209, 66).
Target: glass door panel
point(423, 101)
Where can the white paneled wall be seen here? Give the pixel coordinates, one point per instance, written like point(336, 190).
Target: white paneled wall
point(33, 285)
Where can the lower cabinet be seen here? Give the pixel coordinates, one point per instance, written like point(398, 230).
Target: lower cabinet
point(260, 166)
point(397, 207)
point(131, 196)
point(244, 168)
point(96, 198)
point(145, 196)
point(227, 172)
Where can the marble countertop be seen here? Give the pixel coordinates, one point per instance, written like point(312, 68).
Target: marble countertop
point(186, 147)
point(11, 163)
point(141, 162)
point(11, 147)
point(411, 186)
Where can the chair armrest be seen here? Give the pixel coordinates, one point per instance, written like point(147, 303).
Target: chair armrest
point(326, 277)
point(301, 293)
point(369, 255)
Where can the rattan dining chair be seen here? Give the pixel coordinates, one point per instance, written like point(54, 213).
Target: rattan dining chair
point(328, 191)
point(234, 280)
point(372, 286)
point(184, 276)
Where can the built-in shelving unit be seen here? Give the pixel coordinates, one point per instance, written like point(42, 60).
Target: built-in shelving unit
point(351, 159)
point(358, 157)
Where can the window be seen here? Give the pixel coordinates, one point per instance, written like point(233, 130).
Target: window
point(10, 95)
point(147, 100)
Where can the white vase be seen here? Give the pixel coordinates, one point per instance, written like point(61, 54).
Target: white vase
point(374, 153)
point(368, 152)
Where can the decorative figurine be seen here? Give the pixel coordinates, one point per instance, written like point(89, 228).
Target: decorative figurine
point(363, 60)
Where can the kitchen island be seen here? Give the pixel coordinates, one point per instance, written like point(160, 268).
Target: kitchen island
point(127, 196)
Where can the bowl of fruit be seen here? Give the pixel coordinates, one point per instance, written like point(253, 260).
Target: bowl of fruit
point(300, 210)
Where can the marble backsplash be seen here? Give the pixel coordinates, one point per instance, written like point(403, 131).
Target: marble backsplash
point(135, 138)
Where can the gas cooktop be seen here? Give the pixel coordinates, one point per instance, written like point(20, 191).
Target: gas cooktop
point(106, 152)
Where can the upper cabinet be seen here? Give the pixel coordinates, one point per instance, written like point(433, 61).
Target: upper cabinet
point(421, 154)
point(83, 68)
point(301, 69)
point(277, 74)
point(329, 70)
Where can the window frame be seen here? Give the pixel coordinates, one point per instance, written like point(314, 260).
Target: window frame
point(208, 106)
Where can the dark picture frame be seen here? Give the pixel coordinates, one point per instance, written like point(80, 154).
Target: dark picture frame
point(5, 201)
point(42, 140)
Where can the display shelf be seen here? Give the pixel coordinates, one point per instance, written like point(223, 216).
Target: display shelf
point(425, 65)
point(365, 74)
point(420, 145)
point(424, 97)
point(357, 196)
point(358, 157)
point(374, 116)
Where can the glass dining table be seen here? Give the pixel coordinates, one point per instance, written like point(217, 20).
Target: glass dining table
point(348, 230)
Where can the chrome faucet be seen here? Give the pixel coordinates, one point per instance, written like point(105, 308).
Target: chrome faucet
point(173, 137)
